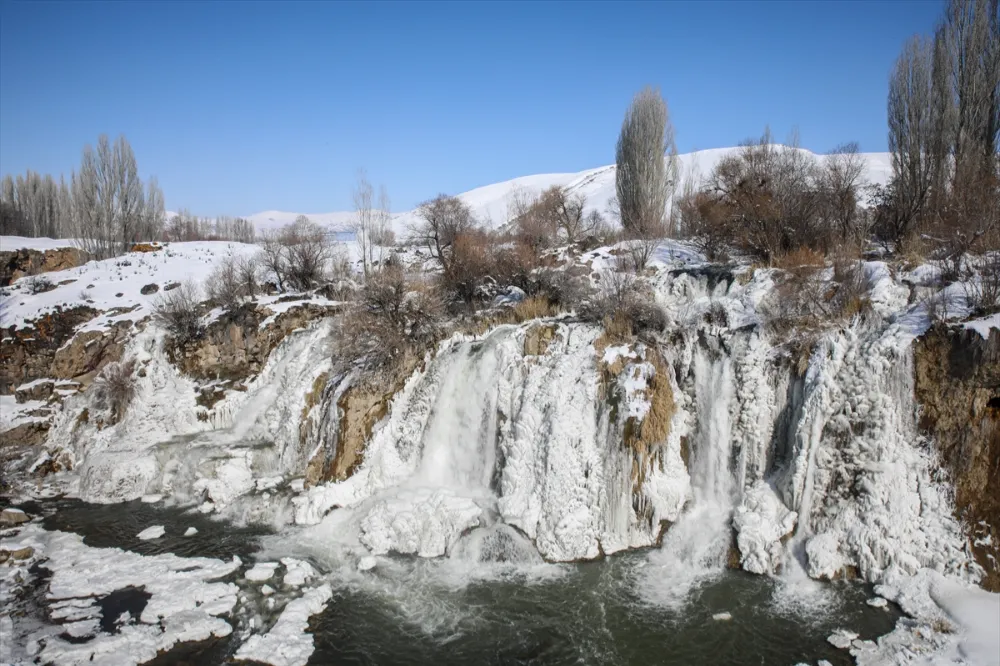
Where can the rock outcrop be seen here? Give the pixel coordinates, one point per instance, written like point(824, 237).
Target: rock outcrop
point(958, 386)
point(18, 263)
point(235, 348)
point(28, 353)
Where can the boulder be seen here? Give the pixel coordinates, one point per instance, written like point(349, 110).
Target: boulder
point(11, 517)
point(149, 289)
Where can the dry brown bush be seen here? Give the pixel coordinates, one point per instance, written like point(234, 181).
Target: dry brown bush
point(625, 306)
point(177, 311)
point(115, 388)
point(394, 320)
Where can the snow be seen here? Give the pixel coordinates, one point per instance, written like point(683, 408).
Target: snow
point(185, 604)
point(97, 284)
point(154, 532)
point(761, 521)
point(722, 617)
point(984, 326)
point(287, 643)
point(261, 571)
point(950, 623)
point(191, 531)
point(10, 243)
point(297, 572)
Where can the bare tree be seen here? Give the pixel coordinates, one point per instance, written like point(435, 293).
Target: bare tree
point(911, 133)
point(108, 198)
point(364, 218)
point(646, 163)
point(841, 178)
point(442, 220)
point(298, 255)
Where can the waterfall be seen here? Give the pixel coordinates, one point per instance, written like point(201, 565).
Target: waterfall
point(695, 548)
point(525, 447)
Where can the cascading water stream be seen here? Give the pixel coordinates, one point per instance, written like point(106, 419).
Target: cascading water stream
point(695, 547)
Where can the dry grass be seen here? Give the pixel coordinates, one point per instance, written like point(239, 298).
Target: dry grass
point(798, 258)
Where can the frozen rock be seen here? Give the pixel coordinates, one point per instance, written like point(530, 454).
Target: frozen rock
point(288, 643)
point(154, 532)
point(151, 499)
point(841, 638)
point(266, 590)
point(722, 617)
point(367, 563)
point(11, 517)
point(191, 531)
point(297, 572)
point(261, 571)
point(761, 521)
point(877, 602)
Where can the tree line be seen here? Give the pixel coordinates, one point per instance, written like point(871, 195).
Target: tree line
point(105, 206)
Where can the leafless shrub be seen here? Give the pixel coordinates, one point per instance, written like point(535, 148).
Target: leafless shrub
point(393, 321)
point(177, 312)
point(982, 284)
point(769, 198)
point(705, 220)
point(224, 286)
point(640, 250)
point(808, 298)
point(248, 274)
point(115, 388)
point(297, 255)
point(39, 284)
point(625, 306)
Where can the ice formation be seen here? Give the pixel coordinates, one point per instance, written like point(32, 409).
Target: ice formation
point(185, 603)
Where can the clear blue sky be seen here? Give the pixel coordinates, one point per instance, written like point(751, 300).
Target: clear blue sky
point(240, 107)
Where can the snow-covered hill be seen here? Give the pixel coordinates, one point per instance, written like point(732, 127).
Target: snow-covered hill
point(490, 203)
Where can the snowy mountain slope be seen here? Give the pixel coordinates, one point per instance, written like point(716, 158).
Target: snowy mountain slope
point(490, 203)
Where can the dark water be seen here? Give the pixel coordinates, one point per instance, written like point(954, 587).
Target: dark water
point(591, 616)
point(407, 613)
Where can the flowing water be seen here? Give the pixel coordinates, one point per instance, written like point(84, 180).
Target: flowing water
point(487, 606)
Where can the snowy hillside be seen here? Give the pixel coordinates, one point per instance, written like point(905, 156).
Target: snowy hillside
point(490, 202)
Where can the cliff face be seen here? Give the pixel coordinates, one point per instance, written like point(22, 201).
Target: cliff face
point(957, 375)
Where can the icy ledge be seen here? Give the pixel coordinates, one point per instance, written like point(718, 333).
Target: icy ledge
point(288, 644)
point(184, 604)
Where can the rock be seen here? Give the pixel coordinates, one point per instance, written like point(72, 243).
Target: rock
point(267, 590)
point(18, 263)
point(151, 499)
point(171, 286)
point(191, 531)
point(119, 294)
point(40, 389)
point(27, 353)
point(722, 617)
point(367, 563)
point(149, 289)
point(877, 602)
point(146, 247)
point(22, 553)
point(957, 383)
point(11, 517)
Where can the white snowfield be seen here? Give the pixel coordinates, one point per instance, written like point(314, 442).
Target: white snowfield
point(491, 203)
